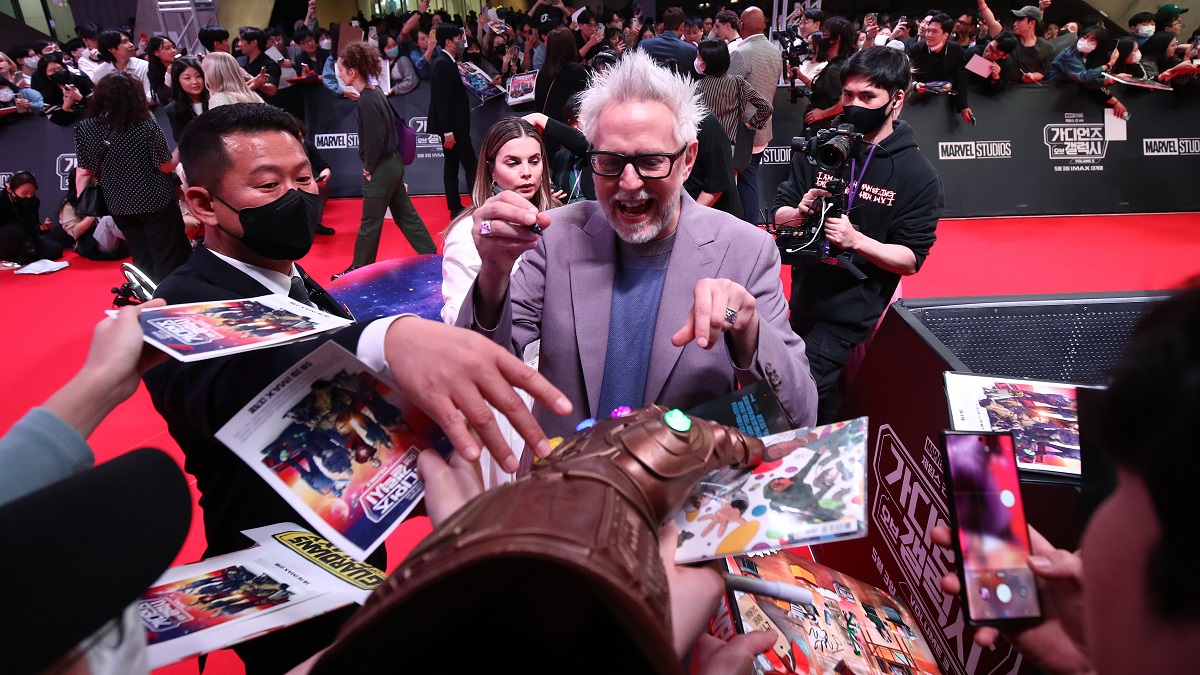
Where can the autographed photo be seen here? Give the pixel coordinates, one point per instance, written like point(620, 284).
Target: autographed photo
point(230, 594)
point(851, 627)
point(340, 445)
point(1042, 416)
point(808, 489)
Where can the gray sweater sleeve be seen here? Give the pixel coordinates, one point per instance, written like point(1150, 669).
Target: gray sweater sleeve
point(38, 450)
point(376, 129)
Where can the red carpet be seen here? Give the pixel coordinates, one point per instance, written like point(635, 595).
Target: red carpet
point(51, 317)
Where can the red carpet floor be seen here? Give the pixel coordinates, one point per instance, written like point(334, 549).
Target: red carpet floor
point(50, 318)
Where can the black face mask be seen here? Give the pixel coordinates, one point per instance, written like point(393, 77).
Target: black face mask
point(866, 120)
point(283, 229)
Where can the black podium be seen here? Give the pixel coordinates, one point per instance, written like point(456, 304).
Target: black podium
point(900, 387)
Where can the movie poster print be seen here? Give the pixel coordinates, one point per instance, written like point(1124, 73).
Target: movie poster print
point(1042, 416)
point(850, 627)
point(521, 88)
point(477, 81)
point(808, 489)
point(187, 606)
point(205, 330)
point(340, 445)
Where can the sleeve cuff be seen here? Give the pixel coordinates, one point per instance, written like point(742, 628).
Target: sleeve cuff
point(370, 348)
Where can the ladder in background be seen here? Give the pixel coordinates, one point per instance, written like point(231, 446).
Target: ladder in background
point(183, 19)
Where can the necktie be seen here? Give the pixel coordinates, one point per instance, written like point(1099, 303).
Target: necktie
point(299, 292)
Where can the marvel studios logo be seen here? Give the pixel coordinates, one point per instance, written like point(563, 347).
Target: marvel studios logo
point(1166, 147)
point(327, 141)
point(975, 150)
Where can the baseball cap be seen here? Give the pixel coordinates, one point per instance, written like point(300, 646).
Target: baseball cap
point(1173, 8)
point(1030, 12)
point(107, 533)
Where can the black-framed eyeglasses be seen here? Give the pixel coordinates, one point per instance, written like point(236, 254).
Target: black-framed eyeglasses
point(647, 165)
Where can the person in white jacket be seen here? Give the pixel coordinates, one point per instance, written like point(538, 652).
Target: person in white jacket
point(514, 158)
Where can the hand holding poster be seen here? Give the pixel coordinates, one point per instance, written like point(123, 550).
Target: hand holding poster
point(478, 82)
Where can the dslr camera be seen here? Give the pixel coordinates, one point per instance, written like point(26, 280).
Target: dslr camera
point(803, 241)
point(794, 48)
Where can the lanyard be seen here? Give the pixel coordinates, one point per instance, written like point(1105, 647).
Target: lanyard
point(855, 183)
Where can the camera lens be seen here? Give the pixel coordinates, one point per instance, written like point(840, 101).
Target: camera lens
point(833, 153)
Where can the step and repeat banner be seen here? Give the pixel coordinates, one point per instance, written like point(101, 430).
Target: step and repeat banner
point(1036, 150)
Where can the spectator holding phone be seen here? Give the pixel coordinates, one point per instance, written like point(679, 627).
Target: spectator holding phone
point(1139, 544)
point(63, 91)
point(311, 54)
point(1129, 59)
point(1071, 66)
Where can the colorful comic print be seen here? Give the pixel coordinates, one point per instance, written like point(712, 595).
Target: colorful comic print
point(850, 627)
point(1042, 416)
point(191, 605)
point(808, 489)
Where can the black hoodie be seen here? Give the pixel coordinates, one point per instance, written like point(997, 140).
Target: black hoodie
point(899, 202)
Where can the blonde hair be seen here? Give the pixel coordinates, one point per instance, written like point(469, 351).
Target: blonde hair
point(12, 65)
point(223, 75)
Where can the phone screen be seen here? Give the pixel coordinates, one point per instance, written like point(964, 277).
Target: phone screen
point(992, 535)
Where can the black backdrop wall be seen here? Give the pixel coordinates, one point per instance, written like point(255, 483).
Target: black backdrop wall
point(1037, 150)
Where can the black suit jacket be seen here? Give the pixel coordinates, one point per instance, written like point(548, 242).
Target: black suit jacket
point(449, 107)
point(197, 399)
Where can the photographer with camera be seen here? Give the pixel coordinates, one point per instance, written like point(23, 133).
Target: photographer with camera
point(892, 205)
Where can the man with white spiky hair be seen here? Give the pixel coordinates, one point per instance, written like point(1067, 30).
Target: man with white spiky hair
point(643, 296)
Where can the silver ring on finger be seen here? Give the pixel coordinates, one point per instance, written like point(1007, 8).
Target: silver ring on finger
point(731, 315)
point(485, 228)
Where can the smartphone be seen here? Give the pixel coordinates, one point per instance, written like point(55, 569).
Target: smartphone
point(991, 537)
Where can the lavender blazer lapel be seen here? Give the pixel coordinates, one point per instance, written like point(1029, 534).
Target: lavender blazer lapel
point(697, 255)
point(592, 261)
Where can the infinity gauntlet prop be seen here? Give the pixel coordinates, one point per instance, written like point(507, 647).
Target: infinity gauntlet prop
point(559, 571)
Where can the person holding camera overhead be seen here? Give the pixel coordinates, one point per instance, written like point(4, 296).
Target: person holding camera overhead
point(893, 199)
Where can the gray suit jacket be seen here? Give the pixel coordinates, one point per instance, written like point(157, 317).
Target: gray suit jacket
point(562, 294)
point(759, 61)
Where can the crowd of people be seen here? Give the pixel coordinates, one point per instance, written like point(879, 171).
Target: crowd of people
point(735, 61)
point(606, 241)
